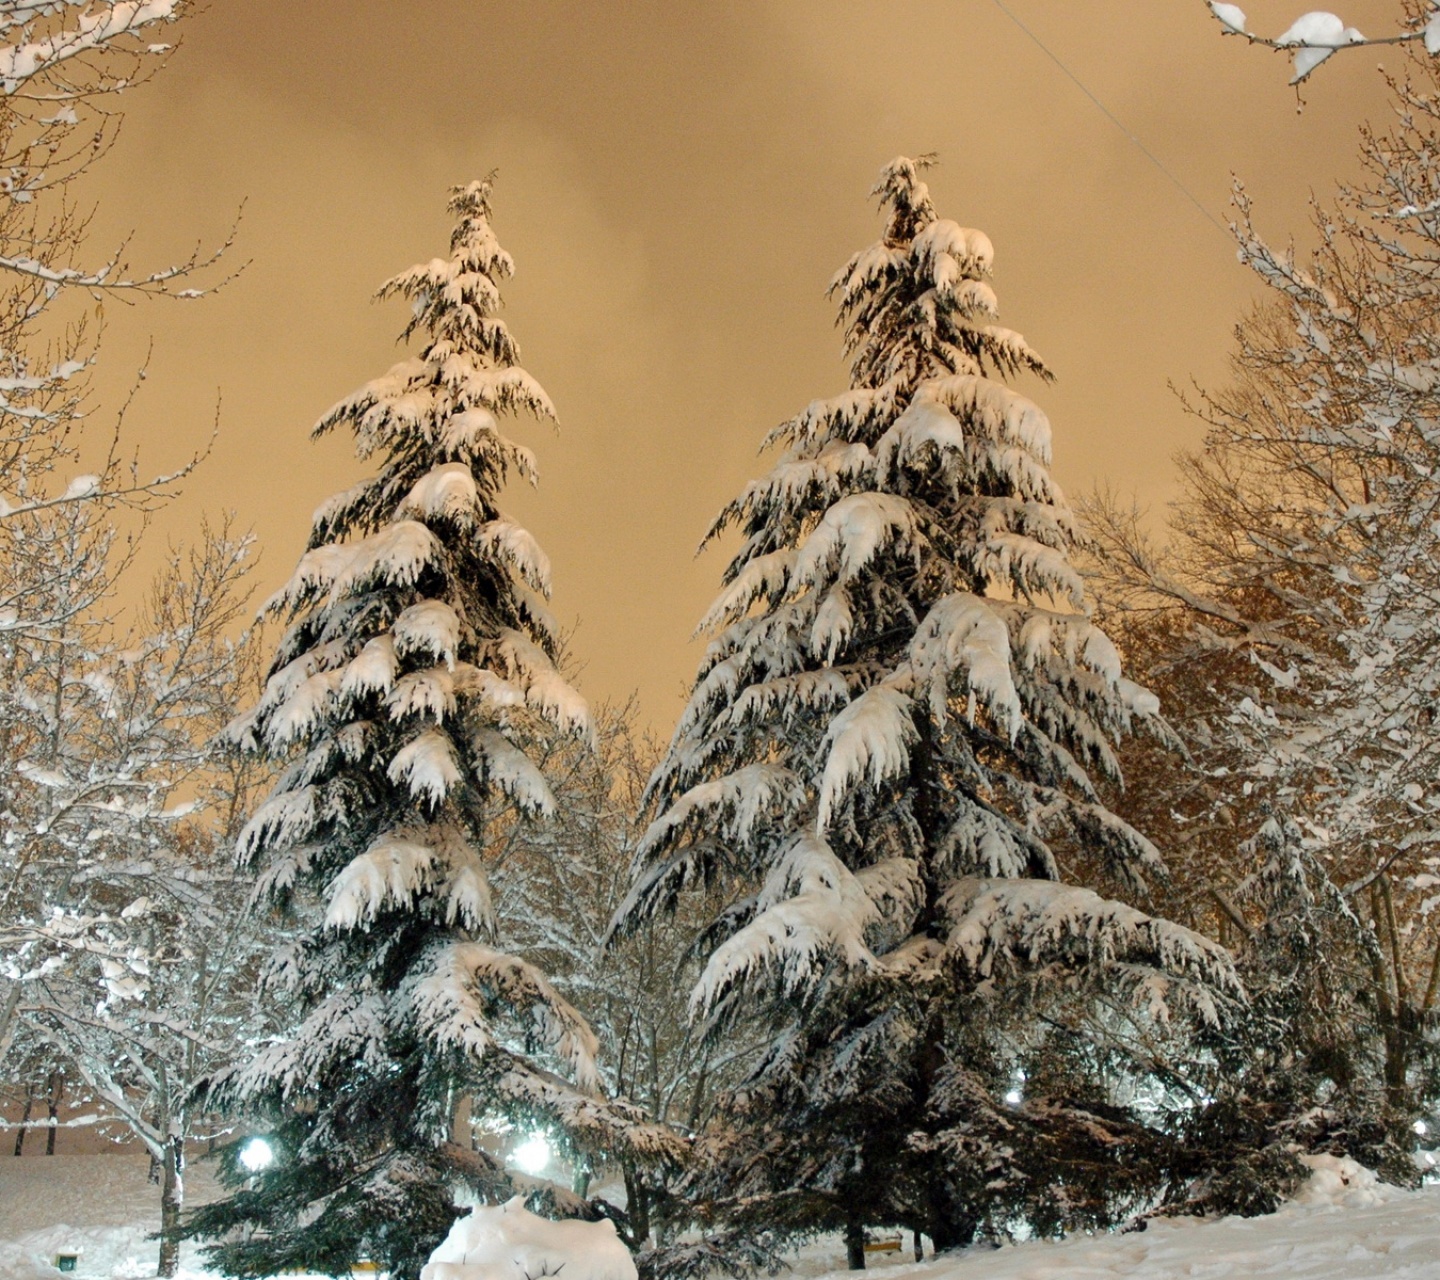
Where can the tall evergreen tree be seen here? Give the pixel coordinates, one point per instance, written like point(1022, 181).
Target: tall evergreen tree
point(417, 663)
point(887, 749)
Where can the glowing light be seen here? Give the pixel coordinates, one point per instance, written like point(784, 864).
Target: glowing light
point(1013, 1097)
point(256, 1155)
point(1421, 1128)
point(533, 1154)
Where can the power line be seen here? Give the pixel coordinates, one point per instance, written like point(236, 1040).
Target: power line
point(1117, 122)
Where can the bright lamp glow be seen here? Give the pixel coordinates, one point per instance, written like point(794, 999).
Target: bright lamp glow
point(256, 1155)
point(533, 1154)
point(1421, 1128)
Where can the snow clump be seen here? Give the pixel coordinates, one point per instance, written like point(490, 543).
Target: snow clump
point(508, 1242)
point(1340, 1183)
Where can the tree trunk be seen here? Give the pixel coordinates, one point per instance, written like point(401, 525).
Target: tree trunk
point(949, 1229)
point(697, 1095)
point(9, 1018)
point(24, 1120)
point(1397, 1066)
point(919, 1246)
point(854, 1244)
point(1432, 987)
point(172, 1200)
point(1394, 1007)
point(52, 1106)
point(580, 1179)
point(462, 1131)
point(637, 1204)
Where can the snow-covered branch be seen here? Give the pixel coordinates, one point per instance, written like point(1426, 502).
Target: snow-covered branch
point(62, 65)
point(42, 35)
point(1315, 36)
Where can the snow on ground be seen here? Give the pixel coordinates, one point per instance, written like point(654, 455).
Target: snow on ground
point(1343, 1226)
point(102, 1207)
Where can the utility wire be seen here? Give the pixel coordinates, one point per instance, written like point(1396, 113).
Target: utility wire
point(1115, 120)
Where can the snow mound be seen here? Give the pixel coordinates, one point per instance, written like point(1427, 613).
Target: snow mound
point(508, 1242)
point(1338, 1182)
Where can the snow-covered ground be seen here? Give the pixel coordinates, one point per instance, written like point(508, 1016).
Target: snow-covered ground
point(102, 1207)
point(1344, 1226)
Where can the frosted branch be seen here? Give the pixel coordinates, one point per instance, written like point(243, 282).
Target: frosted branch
point(95, 27)
point(1315, 36)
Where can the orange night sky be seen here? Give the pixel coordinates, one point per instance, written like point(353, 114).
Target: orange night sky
point(678, 182)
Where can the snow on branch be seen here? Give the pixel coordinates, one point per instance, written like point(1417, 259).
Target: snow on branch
point(965, 634)
point(765, 577)
point(1317, 35)
point(510, 769)
point(852, 533)
point(1038, 921)
point(398, 553)
point(470, 984)
point(391, 872)
point(110, 276)
point(868, 741)
point(80, 29)
point(431, 626)
point(811, 907)
point(546, 690)
point(428, 765)
point(734, 804)
point(607, 1125)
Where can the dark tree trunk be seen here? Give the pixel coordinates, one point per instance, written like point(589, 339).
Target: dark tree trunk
point(52, 1107)
point(919, 1246)
point(697, 1095)
point(172, 1200)
point(9, 1016)
point(580, 1182)
point(950, 1229)
point(637, 1204)
point(24, 1120)
point(1397, 1065)
point(1396, 1012)
point(854, 1245)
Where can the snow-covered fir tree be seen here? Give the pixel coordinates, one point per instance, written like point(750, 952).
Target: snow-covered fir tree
point(417, 663)
point(888, 747)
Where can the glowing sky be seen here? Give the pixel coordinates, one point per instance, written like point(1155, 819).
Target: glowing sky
point(678, 182)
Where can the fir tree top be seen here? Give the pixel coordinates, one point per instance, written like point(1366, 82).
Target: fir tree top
point(905, 696)
point(916, 304)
